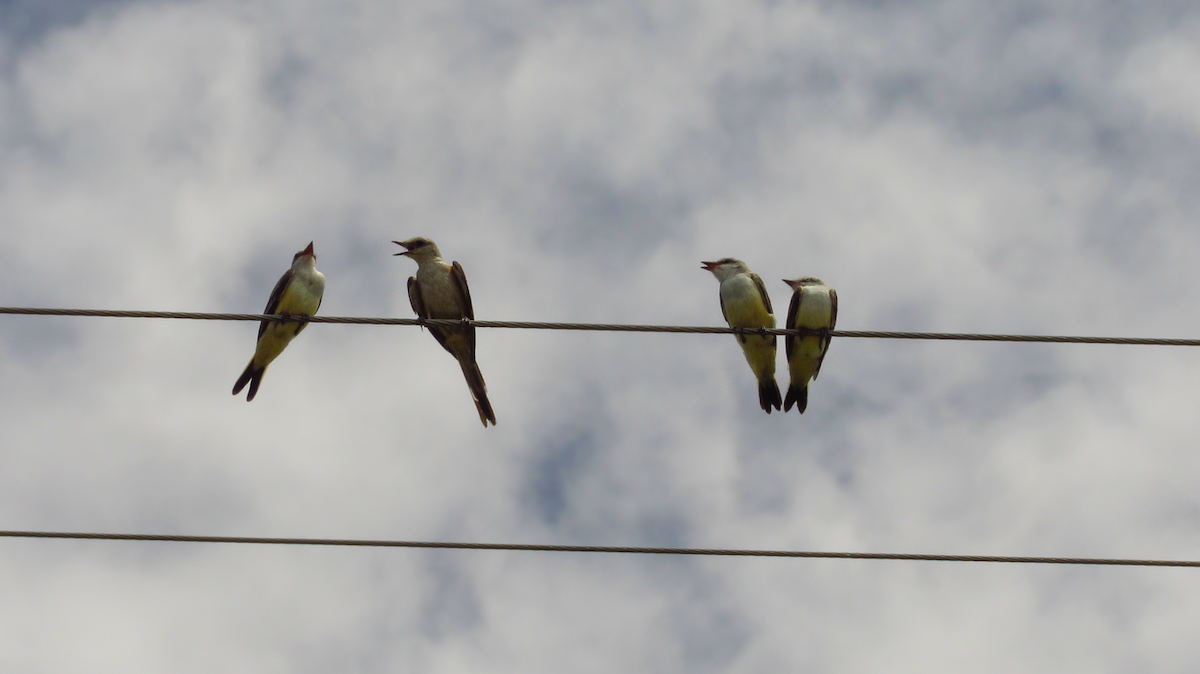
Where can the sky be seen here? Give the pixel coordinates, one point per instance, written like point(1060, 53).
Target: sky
point(946, 165)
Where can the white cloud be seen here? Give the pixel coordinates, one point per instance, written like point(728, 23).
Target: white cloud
point(944, 165)
point(1157, 78)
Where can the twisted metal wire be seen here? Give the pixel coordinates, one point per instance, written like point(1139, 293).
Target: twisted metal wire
point(350, 542)
point(601, 327)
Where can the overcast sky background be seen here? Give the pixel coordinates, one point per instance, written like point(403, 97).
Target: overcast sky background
point(953, 165)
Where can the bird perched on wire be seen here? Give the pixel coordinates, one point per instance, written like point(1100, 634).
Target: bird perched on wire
point(745, 304)
point(814, 308)
point(298, 293)
point(439, 290)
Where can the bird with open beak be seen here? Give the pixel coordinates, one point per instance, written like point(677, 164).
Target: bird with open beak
point(298, 293)
point(439, 290)
point(745, 304)
point(814, 311)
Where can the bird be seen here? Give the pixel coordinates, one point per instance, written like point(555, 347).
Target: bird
point(745, 304)
point(439, 290)
point(298, 293)
point(814, 308)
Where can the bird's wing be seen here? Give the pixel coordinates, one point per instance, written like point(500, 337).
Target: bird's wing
point(276, 297)
point(415, 299)
point(464, 298)
point(833, 313)
point(789, 342)
point(418, 306)
point(832, 323)
point(464, 295)
point(762, 291)
point(740, 337)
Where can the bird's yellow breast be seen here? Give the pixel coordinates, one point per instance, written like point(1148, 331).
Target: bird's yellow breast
point(816, 309)
point(816, 312)
point(743, 304)
point(303, 296)
point(440, 291)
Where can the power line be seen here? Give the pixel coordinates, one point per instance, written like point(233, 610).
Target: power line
point(600, 327)
point(350, 542)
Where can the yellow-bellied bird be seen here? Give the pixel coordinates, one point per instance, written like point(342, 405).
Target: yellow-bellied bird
point(745, 304)
point(298, 293)
point(439, 290)
point(813, 307)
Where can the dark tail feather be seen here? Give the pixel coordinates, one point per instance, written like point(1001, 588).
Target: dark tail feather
point(768, 394)
point(797, 395)
point(251, 376)
point(478, 391)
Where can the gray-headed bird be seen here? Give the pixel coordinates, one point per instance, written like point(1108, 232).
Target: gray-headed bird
point(298, 293)
point(439, 290)
point(745, 304)
point(814, 308)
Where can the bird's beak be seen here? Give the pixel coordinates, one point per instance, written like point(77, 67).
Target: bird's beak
point(308, 250)
point(401, 243)
point(710, 265)
point(792, 284)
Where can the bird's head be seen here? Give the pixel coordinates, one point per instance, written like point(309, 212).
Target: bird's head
point(726, 267)
point(418, 249)
point(804, 281)
point(306, 253)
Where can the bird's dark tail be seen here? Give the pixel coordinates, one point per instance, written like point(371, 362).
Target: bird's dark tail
point(251, 375)
point(797, 395)
point(768, 394)
point(478, 391)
